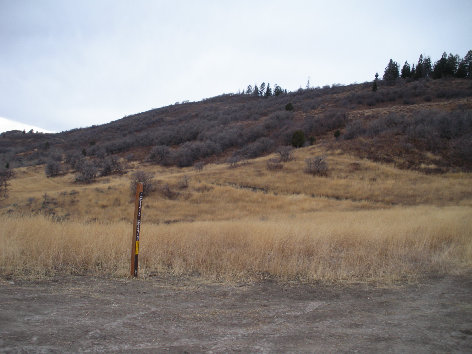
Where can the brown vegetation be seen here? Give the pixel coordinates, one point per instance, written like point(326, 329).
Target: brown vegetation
point(388, 198)
point(382, 245)
point(366, 221)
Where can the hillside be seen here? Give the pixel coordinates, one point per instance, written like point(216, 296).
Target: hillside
point(390, 199)
point(424, 125)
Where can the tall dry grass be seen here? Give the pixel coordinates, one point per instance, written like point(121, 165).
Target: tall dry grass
point(377, 245)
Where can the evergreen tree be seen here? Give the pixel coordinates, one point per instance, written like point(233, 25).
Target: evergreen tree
point(298, 138)
point(374, 85)
point(249, 89)
point(427, 67)
point(468, 64)
point(262, 89)
point(255, 92)
point(278, 90)
point(406, 71)
point(451, 64)
point(413, 71)
point(439, 67)
point(461, 72)
point(419, 68)
point(391, 72)
point(268, 91)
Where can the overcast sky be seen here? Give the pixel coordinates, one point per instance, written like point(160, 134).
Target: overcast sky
point(67, 64)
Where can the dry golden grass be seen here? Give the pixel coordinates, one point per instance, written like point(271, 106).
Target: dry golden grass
point(221, 193)
point(365, 221)
point(380, 245)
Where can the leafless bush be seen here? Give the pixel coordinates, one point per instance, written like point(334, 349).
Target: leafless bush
point(257, 148)
point(353, 130)
point(55, 155)
point(111, 165)
point(285, 153)
point(326, 122)
point(146, 178)
point(5, 175)
point(87, 172)
point(130, 157)
point(159, 154)
point(73, 158)
point(167, 192)
point(317, 166)
point(199, 166)
point(274, 164)
point(233, 161)
point(463, 149)
point(52, 169)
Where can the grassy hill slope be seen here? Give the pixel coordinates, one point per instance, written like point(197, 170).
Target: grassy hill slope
point(394, 204)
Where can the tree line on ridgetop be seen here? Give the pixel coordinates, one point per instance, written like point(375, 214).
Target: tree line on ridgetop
point(448, 66)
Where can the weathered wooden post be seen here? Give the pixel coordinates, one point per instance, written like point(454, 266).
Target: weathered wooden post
point(136, 228)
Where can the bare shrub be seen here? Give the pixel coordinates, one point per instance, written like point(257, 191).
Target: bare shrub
point(317, 166)
point(159, 154)
point(52, 169)
point(167, 192)
point(129, 157)
point(146, 178)
point(274, 164)
point(55, 155)
point(5, 175)
point(326, 122)
point(87, 172)
point(73, 158)
point(199, 166)
point(285, 153)
point(183, 157)
point(353, 130)
point(257, 148)
point(111, 165)
point(233, 161)
point(463, 149)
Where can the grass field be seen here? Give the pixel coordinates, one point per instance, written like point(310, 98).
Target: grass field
point(365, 221)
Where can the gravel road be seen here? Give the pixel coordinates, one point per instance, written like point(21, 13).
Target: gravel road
point(89, 314)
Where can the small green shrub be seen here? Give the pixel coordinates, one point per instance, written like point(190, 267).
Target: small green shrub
point(298, 139)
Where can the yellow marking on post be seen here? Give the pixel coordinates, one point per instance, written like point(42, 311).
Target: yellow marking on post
point(137, 247)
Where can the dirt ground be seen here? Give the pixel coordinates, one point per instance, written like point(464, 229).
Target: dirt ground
point(83, 314)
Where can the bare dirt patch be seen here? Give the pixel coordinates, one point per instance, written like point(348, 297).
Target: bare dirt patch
point(94, 314)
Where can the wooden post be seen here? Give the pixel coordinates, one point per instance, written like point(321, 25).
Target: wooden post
point(136, 228)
